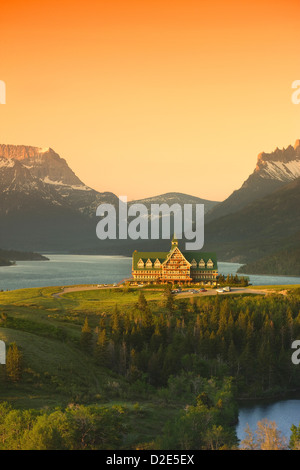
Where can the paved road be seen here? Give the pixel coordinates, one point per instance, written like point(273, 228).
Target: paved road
point(65, 290)
point(234, 290)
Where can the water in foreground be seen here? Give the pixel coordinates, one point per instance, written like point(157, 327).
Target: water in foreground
point(83, 269)
point(283, 412)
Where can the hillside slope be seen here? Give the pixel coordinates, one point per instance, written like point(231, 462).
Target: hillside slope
point(273, 170)
point(284, 262)
point(258, 229)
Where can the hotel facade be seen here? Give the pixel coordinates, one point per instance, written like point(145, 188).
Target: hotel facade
point(175, 266)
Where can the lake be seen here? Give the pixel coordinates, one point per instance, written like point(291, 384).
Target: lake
point(283, 412)
point(94, 269)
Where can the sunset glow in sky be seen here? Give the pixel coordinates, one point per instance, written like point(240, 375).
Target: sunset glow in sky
point(143, 97)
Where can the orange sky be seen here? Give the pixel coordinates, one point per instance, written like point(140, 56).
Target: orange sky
point(144, 97)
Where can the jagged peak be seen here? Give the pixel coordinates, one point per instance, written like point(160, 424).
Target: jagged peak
point(44, 163)
point(284, 155)
point(24, 152)
point(281, 164)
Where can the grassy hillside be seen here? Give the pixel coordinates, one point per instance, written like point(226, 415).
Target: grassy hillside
point(48, 329)
point(283, 263)
point(260, 229)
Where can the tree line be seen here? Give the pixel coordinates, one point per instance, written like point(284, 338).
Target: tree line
point(244, 337)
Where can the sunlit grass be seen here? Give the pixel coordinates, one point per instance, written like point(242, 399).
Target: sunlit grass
point(288, 287)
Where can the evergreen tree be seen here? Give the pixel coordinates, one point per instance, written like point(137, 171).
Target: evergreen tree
point(101, 352)
point(14, 365)
point(142, 303)
point(116, 326)
point(295, 437)
point(86, 337)
point(169, 299)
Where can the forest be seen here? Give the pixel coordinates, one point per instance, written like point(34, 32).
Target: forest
point(243, 337)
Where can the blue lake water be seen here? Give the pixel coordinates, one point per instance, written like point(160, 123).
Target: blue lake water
point(283, 412)
point(93, 269)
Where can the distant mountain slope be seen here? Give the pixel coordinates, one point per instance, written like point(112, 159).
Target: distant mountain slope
point(285, 262)
point(44, 164)
point(31, 170)
point(5, 262)
point(176, 198)
point(258, 229)
point(273, 170)
point(44, 205)
point(14, 255)
point(8, 257)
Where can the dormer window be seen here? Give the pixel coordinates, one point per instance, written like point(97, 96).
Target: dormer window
point(202, 263)
point(157, 263)
point(210, 264)
point(140, 263)
point(194, 263)
point(149, 263)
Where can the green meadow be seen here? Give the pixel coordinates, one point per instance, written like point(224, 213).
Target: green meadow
point(47, 329)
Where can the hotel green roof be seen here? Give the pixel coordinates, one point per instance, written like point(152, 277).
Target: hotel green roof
point(199, 255)
point(162, 256)
point(145, 255)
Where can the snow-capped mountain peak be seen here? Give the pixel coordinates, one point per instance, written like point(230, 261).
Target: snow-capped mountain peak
point(33, 177)
point(282, 164)
point(43, 163)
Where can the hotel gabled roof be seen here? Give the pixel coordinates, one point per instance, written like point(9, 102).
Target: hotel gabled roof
point(162, 256)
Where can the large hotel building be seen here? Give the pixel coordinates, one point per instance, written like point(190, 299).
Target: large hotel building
point(175, 266)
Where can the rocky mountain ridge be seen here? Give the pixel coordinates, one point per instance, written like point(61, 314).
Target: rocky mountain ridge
point(272, 171)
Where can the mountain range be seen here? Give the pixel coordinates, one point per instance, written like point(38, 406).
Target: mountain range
point(45, 207)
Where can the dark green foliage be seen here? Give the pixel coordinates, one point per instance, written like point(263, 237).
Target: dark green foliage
point(169, 299)
point(244, 337)
point(283, 262)
point(233, 280)
point(142, 302)
point(14, 366)
point(295, 437)
point(8, 257)
point(261, 228)
point(205, 425)
point(5, 262)
point(74, 428)
point(86, 337)
point(101, 351)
